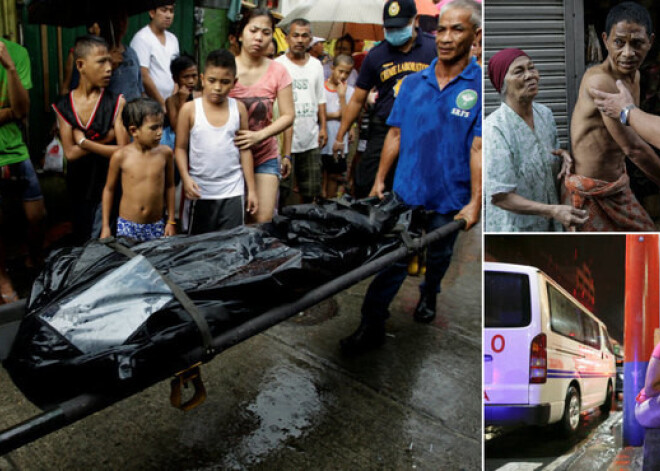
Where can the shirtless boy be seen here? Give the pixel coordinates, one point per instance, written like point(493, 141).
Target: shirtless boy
point(600, 144)
point(147, 177)
point(90, 132)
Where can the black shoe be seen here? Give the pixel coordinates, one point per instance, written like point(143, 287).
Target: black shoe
point(366, 337)
point(425, 310)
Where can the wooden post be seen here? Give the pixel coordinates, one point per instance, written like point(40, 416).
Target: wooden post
point(60, 60)
point(44, 58)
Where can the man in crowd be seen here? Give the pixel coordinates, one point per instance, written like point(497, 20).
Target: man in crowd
point(440, 171)
point(15, 81)
point(316, 48)
point(600, 143)
point(404, 51)
point(303, 142)
point(155, 48)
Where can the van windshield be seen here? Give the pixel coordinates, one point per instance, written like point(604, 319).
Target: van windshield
point(507, 299)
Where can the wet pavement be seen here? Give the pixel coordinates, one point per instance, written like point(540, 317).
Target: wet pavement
point(596, 447)
point(528, 447)
point(288, 400)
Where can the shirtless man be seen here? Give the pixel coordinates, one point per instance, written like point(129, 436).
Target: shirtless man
point(147, 177)
point(600, 144)
point(90, 131)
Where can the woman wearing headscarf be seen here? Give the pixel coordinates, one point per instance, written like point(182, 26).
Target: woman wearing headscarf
point(523, 159)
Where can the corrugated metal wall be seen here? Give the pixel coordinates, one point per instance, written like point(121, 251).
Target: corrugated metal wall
point(546, 30)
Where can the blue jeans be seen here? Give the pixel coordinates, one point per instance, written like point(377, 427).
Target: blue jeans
point(387, 282)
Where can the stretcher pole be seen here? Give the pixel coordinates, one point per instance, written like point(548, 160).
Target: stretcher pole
point(641, 320)
point(84, 405)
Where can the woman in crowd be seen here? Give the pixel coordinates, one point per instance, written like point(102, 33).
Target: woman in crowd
point(260, 82)
point(523, 159)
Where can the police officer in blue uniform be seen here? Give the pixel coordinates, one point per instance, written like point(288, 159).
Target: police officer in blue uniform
point(406, 50)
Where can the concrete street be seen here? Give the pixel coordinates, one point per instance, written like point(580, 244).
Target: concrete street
point(288, 400)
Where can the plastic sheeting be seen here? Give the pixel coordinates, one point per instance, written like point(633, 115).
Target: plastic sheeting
point(98, 322)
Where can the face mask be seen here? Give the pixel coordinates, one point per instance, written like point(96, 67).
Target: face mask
point(398, 36)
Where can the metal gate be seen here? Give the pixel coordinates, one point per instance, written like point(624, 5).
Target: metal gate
point(551, 32)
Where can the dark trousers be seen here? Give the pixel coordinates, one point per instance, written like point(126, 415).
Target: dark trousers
point(215, 215)
point(387, 282)
point(367, 167)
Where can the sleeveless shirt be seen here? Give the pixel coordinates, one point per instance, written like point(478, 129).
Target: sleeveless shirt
point(86, 176)
point(214, 160)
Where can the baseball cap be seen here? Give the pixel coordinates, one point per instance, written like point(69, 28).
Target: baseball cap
point(398, 13)
point(316, 40)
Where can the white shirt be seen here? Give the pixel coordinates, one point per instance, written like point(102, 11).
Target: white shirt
point(332, 106)
point(157, 57)
point(308, 94)
point(214, 159)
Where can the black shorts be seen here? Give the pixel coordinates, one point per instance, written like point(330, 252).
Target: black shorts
point(215, 215)
point(333, 166)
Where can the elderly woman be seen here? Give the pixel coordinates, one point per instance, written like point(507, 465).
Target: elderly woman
point(523, 159)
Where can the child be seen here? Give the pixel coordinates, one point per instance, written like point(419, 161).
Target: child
point(215, 173)
point(90, 132)
point(147, 176)
point(337, 94)
point(185, 75)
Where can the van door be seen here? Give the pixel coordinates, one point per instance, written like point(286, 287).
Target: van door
point(509, 301)
point(609, 358)
point(594, 370)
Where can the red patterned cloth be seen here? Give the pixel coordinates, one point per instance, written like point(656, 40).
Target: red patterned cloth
point(612, 206)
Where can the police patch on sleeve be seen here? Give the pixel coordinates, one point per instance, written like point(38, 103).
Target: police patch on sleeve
point(467, 99)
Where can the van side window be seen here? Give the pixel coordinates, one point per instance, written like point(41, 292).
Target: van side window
point(564, 315)
point(607, 341)
point(591, 331)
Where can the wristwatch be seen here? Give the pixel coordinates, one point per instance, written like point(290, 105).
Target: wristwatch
point(624, 117)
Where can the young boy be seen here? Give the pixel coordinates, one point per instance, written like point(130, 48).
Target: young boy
point(147, 177)
point(90, 132)
point(337, 94)
point(214, 172)
point(185, 75)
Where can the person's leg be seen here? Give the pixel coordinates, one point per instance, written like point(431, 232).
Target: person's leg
point(7, 292)
point(308, 174)
point(438, 259)
point(371, 332)
point(267, 181)
point(336, 170)
point(332, 185)
point(267, 186)
point(325, 181)
point(35, 211)
point(286, 185)
point(97, 221)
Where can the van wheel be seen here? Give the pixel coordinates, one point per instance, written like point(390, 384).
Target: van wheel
point(607, 405)
point(570, 421)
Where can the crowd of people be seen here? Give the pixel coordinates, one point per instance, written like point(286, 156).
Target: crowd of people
point(249, 130)
point(533, 185)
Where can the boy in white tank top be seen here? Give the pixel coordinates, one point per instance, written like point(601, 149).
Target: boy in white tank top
point(217, 177)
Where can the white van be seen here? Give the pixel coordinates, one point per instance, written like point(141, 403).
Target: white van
point(546, 357)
